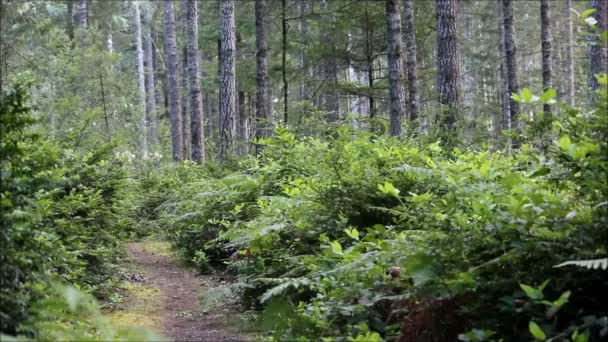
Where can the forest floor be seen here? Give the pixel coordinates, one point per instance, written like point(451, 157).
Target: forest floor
point(161, 295)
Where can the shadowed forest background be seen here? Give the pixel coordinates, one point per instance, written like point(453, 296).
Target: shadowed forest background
point(336, 170)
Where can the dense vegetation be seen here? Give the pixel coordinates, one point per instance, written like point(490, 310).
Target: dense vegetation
point(481, 218)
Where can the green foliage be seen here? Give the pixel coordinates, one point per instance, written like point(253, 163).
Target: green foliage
point(57, 214)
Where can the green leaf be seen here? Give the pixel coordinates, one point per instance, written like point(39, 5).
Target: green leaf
point(336, 247)
point(526, 95)
point(604, 36)
point(548, 96)
point(532, 292)
point(536, 331)
point(540, 172)
point(587, 13)
point(564, 143)
point(389, 189)
point(353, 233)
point(516, 97)
point(602, 78)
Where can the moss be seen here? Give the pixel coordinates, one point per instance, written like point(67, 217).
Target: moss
point(142, 307)
point(156, 247)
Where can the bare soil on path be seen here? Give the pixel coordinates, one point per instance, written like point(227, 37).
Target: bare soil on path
point(176, 307)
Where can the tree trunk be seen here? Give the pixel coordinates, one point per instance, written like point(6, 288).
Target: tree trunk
point(227, 79)
point(141, 83)
point(303, 8)
point(262, 97)
point(597, 50)
point(150, 80)
point(82, 13)
point(395, 66)
point(196, 105)
point(505, 96)
point(410, 66)
point(569, 54)
point(173, 90)
point(511, 64)
point(184, 90)
point(69, 19)
point(369, 58)
point(330, 69)
point(448, 59)
point(284, 60)
point(546, 50)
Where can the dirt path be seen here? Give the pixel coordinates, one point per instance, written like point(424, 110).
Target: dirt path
point(171, 305)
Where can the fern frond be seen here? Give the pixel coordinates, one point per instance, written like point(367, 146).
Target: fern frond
point(589, 264)
point(285, 284)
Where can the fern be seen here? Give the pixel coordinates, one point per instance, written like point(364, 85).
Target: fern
point(284, 285)
point(590, 264)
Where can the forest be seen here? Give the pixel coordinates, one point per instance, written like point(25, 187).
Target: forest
point(304, 170)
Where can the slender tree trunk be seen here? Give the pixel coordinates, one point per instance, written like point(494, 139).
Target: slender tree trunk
point(227, 79)
point(511, 64)
point(262, 97)
point(569, 54)
point(284, 61)
point(395, 66)
point(150, 80)
point(196, 105)
point(330, 69)
point(504, 77)
point(141, 83)
point(410, 47)
point(369, 58)
point(598, 49)
point(69, 19)
point(546, 50)
point(448, 69)
point(185, 90)
point(173, 90)
point(82, 13)
point(303, 8)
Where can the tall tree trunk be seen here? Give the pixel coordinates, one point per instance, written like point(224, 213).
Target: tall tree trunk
point(546, 50)
point(173, 90)
point(185, 90)
point(284, 60)
point(303, 8)
point(598, 49)
point(262, 96)
point(82, 13)
point(141, 83)
point(196, 105)
point(511, 64)
point(330, 69)
point(227, 79)
point(505, 96)
point(150, 80)
point(369, 58)
point(448, 69)
point(569, 54)
point(410, 58)
point(395, 66)
point(69, 19)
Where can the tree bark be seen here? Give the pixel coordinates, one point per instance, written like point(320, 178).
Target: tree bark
point(410, 58)
point(227, 79)
point(196, 105)
point(185, 90)
point(150, 80)
point(546, 50)
point(173, 90)
point(569, 54)
point(511, 64)
point(69, 19)
point(82, 13)
point(284, 61)
point(262, 97)
point(598, 50)
point(395, 66)
point(504, 77)
point(448, 59)
point(141, 83)
point(330, 68)
point(303, 8)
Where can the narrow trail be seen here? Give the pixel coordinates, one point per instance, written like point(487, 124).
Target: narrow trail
point(175, 310)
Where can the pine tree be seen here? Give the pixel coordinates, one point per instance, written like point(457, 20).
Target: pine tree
point(141, 83)
point(262, 103)
point(173, 90)
point(448, 68)
point(149, 74)
point(569, 53)
point(511, 64)
point(196, 105)
point(410, 58)
point(395, 66)
point(546, 50)
point(227, 78)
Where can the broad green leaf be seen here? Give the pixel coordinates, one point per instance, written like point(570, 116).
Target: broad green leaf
point(532, 292)
point(540, 172)
point(548, 96)
point(516, 97)
point(564, 143)
point(389, 189)
point(336, 247)
point(587, 13)
point(604, 36)
point(536, 331)
point(526, 95)
point(602, 78)
point(353, 233)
